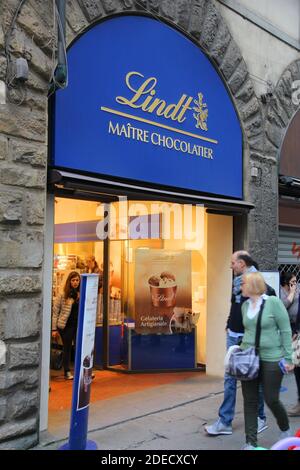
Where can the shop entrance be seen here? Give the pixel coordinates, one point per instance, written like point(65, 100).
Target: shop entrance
point(77, 247)
point(152, 290)
point(155, 269)
point(151, 261)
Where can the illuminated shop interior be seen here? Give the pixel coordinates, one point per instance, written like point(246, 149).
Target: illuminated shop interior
point(138, 231)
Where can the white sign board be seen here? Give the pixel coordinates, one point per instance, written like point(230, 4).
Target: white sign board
point(88, 340)
point(273, 279)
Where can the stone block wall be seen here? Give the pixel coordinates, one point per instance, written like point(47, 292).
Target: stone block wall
point(23, 166)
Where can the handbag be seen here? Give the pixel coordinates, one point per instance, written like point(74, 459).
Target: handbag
point(296, 350)
point(244, 364)
point(56, 356)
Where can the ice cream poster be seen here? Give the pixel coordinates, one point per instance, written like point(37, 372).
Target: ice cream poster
point(163, 291)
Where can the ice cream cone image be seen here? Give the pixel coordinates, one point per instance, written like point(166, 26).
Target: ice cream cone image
point(163, 290)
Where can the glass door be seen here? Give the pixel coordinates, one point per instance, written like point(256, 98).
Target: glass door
point(81, 245)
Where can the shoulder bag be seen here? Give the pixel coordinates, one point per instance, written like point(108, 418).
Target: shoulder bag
point(244, 364)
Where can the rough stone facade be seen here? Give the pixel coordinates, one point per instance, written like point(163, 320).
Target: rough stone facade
point(23, 164)
point(23, 154)
point(263, 192)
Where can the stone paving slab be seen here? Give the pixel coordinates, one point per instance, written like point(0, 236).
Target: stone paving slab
point(169, 417)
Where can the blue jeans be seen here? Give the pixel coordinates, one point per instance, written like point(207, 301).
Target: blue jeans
point(226, 410)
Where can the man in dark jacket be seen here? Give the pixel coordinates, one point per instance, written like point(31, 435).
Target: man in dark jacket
point(241, 263)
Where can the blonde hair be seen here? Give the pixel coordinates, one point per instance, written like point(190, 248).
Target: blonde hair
point(255, 283)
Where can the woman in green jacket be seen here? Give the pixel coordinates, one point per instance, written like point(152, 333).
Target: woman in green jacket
point(275, 344)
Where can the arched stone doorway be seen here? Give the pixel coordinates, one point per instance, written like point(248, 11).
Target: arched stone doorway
point(214, 56)
point(289, 200)
point(282, 144)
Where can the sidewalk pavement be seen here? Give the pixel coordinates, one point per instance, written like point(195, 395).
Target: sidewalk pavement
point(169, 417)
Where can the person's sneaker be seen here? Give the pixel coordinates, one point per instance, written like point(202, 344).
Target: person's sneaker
point(248, 447)
point(294, 411)
point(261, 425)
point(68, 375)
point(218, 428)
point(285, 434)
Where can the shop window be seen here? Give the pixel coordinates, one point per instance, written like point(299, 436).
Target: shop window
point(158, 273)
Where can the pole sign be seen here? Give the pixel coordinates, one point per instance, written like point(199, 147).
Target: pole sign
point(84, 355)
point(145, 104)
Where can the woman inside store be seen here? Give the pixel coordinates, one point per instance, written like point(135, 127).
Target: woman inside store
point(273, 347)
point(65, 317)
point(289, 293)
point(92, 265)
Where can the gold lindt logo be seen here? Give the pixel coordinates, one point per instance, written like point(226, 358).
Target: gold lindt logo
point(143, 97)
